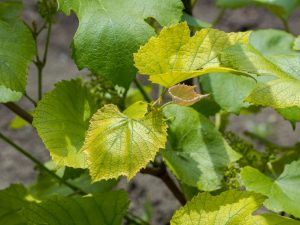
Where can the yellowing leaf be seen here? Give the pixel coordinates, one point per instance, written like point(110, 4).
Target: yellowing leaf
point(229, 208)
point(285, 92)
point(185, 95)
point(123, 143)
point(174, 56)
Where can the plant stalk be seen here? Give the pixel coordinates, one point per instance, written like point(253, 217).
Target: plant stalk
point(19, 111)
point(218, 18)
point(164, 176)
point(39, 164)
point(142, 90)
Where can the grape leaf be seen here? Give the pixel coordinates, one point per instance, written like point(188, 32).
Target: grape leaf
point(281, 8)
point(194, 22)
point(281, 192)
point(278, 46)
point(8, 95)
point(17, 50)
point(174, 56)
point(123, 143)
point(47, 186)
point(196, 152)
point(272, 42)
point(228, 208)
point(62, 119)
point(282, 91)
point(102, 208)
point(228, 90)
point(12, 200)
point(296, 45)
point(111, 31)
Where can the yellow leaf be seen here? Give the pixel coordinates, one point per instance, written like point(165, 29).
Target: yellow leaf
point(123, 143)
point(185, 95)
point(174, 56)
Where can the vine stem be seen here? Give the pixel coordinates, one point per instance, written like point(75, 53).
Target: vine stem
point(162, 173)
point(285, 24)
point(142, 90)
point(19, 111)
point(38, 163)
point(135, 220)
point(40, 63)
point(218, 18)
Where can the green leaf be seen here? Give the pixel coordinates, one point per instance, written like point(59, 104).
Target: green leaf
point(282, 90)
point(291, 114)
point(12, 200)
point(194, 22)
point(102, 208)
point(228, 90)
point(196, 153)
point(272, 42)
point(281, 192)
point(8, 95)
point(123, 143)
point(47, 186)
point(278, 46)
point(282, 8)
point(296, 45)
point(62, 119)
point(207, 107)
point(246, 58)
point(281, 93)
point(17, 50)
point(228, 208)
point(111, 31)
point(174, 56)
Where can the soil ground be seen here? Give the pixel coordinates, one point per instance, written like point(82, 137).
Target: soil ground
point(15, 168)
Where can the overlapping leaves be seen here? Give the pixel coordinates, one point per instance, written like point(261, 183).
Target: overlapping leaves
point(282, 192)
point(174, 56)
point(111, 31)
point(102, 208)
point(17, 207)
point(278, 69)
point(123, 143)
point(196, 152)
point(228, 208)
point(62, 119)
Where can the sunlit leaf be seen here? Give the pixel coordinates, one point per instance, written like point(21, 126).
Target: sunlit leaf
point(123, 143)
point(281, 192)
point(174, 56)
point(110, 32)
point(228, 208)
point(62, 119)
point(8, 95)
point(282, 90)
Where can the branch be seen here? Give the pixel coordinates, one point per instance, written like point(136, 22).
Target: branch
point(142, 90)
point(19, 111)
point(164, 176)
